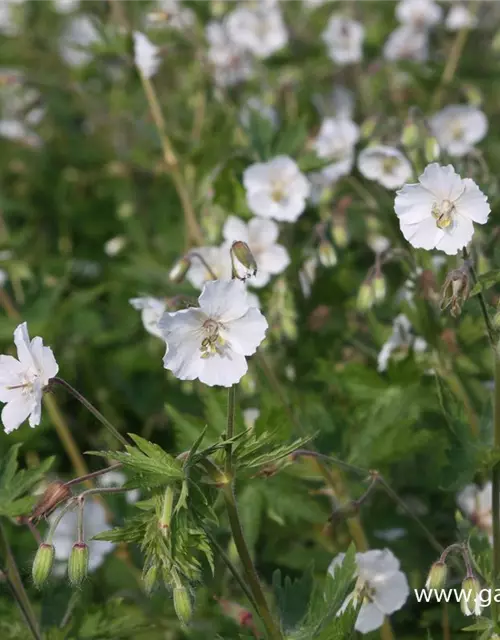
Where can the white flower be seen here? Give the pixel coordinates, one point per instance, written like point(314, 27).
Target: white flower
point(458, 128)
point(390, 535)
point(344, 39)
point(259, 30)
point(335, 141)
point(9, 23)
point(459, 17)
point(210, 342)
point(419, 13)
point(250, 417)
point(23, 380)
point(380, 583)
point(338, 104)
point(476, 504)
point(377, 243)
point(66, 6)
point(115, 245)
point(407, 43)
point(77, 41)
point(231, 63)
point(438, 212)
point(151, 310)
point(307, 275)
point(218, 261)
point(260, 235)
point(118, 479)
point(65, 535)
point(20, 108)
point(170, 13)
point(276, 189)
point(146, 55)
point(386, 165)
point(401, 337)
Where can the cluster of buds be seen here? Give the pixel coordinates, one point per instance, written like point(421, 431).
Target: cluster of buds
point(372, 291)
point(470, 598)
point(455, 290)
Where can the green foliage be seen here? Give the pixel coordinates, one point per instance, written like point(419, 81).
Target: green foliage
point(292, 597)
point(15, 483)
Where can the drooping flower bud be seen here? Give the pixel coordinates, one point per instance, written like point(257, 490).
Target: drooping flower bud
point(379, 287)
point(437, 576)
point(327, 254)
point(78, 564)
point(242, 260)
point(339, 232)
point(182, 605)
point(366, 296)
point(455, 291)
point(470, 602)
point(53, 495)
point(42, 564)
point(368, 127)
point(178, 272)
point(410, 136)
point(431, 149)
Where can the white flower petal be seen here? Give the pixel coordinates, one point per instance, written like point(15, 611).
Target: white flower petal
point(473, 203)
point(424, 235)
point(235, 229)
point(15, 413)
point(224, 371)
point(392, 594)
point(274, 260)
point(442, 182)
point(224, 300)
point(146, 55)
point(458, 237)
point(246, 333)
point(369, 618)
point(23, 345)
point(262, 232)
point(413, 204)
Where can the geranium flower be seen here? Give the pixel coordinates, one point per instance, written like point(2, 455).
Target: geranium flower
point(402, 337)
point(77, 41)
point(259, 30)
point(419, 13)
point(406, 43)
point(210, 343)
point(23, 380)
point(146, 55)
point(458, 128)
point(381, 585)
point(65, 535)
point(335, 141)
point(459, 17)
point(476, 503)
point(386, 165)
point(218, 261)
point(276, 189)
point(170, 13)
point(231, 63)
point(438, 212)
point(344, 39)
point(260, 235)
point(151, 310)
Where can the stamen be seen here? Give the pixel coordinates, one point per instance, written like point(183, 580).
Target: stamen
point(443, 213)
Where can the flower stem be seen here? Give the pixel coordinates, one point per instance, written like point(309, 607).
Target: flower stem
point(65, 436)
point(90, 407)
point(270, 625)
point(496, 492)
point(17, 587)
point(482, 303)
point(451, 66)
point(94, 474)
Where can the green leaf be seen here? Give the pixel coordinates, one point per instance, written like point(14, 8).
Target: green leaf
point(259, 450)
point(292, 139)
point(486, 281)
point(292, 597)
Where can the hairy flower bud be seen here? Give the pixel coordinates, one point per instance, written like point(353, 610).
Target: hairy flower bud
point(42, 564)
point(242, 260)
point(178, 272)
point(379, 287)
point(182, 605)
point(78, 564)
point(366, 296)
point(471, 602)
point(431, 149)
point(326, 253)
point(53, 495)
point(437, 576)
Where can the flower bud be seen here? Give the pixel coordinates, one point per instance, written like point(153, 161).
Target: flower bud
point(339, 234)
point(379, 287)
point(53, 495)
point(455, 291)
point(182, 605)
point(178, 272)
point(366, 297)
point(410, 136)
point(78, 565)
point(327, 255)
point(437, 576)
point(149, 579)
point(470, 602)
point(431, 149)
point(243, 262)
point(42, 564)
point(368, 127)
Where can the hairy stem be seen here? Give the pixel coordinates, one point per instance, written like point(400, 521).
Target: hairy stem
point(90, 407)
point(17, 587)
point(496, 492)
point(231, 406)
point(94, 474)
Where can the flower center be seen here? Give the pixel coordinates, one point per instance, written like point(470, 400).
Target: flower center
point(457, 131)
point(364, 591)
point(212, 342)
point(389, 164)
point(278, 191)
point(443, 213)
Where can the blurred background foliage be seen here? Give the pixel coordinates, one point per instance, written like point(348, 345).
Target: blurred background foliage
point(94, 174)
